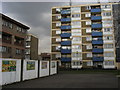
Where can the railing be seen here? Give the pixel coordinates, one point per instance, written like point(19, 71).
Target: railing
point(98, 59)
point(66, 43)
point(97, 50)
point(65, 34)
point(97, 34)
point(65, 50)
point(66, 27)
point(96, 18)
point(97, 41)
point(65, 12)
point(96, 10)
point(65, 19)
point(96, 25)
point(65, 59)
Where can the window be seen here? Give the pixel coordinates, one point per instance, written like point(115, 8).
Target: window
point(89, 46)
point(58, 24)
point(108, 37)
point(66, 47)
point(88, 22)
point(109, 54)
point(58, 17)
point(107, 21)
point(76, 23)
point(87, 15)
point(88, 38)
point(89, 54)
point(106, 6)
point(88, 7)
point(5, 49)
point(75, 15)
point(76, 54)
point(107, 29)
point(58, 47)
point(7, 24)
point(75, 9)
point(88, 30)
point(76, 38)
point(18, 51)
point(76, 46)
point(76, 30)
point(58, 32)
point(108, 45)
point(19, 29)
point(58, 9)
point(58, 39)
point(107, 14)
point(109, 62)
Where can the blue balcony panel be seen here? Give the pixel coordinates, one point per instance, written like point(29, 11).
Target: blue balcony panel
point(97, 34)
point(96, 18)
point(98, 59)
point(96, 10)
point(65, 59)
point(66, 27)
point(66, 43)
point(65, 50)
point(65, 12)
point(65, 35)
point(96, 25)
point(65, 19)
point(97, 50)
point(97, 41)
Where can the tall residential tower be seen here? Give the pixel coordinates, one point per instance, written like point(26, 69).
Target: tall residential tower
point(84, 36)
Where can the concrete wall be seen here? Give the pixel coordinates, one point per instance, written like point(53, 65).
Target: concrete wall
point(45, 71)
point(30, 74)
point(13, 76)
point(118, 65)
point(53, 69)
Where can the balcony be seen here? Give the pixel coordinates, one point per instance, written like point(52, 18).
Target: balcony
point(98, 59)
point(97, 34)
point(65, 35)
point(96, 25)
point(95, 10)
point(65, 19)
point(97, 50)
point(66, 27)
point(97, 41)
point(65, 12)
point(66, 43)
point(65, 59)
point(96, 18)
point(65, 50)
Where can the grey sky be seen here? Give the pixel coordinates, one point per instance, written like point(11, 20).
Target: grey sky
point(37, 15)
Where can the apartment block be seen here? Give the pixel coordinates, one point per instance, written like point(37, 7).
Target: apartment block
point(31, 51)
point(12, 38)
point(85, 36)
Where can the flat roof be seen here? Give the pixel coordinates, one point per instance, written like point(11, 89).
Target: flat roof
point(84, 5)
point(14, 21)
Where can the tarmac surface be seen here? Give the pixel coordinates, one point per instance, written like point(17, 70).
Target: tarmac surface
point(70, 81)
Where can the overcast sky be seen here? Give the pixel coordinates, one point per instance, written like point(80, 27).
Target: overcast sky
point(36, 15)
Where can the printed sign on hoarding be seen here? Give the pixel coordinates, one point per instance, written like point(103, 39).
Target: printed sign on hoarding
point(30, 65)
point(53, 64)
point(44, 65)
point(8, 66)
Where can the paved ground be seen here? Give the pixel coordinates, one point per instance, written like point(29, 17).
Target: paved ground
point(70, 81)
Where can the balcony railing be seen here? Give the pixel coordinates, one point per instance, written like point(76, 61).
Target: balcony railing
point(65, 35)
point(98, 59)
point(97, 41)
point(65, 59)
point(65, 12)
point(66, 43)
point(65, 19)
point(66, 27)
point(96, 18)
point(96, 25)
point(97, 50)
point(95, 10)
point(65, 50)
point(97, 34)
